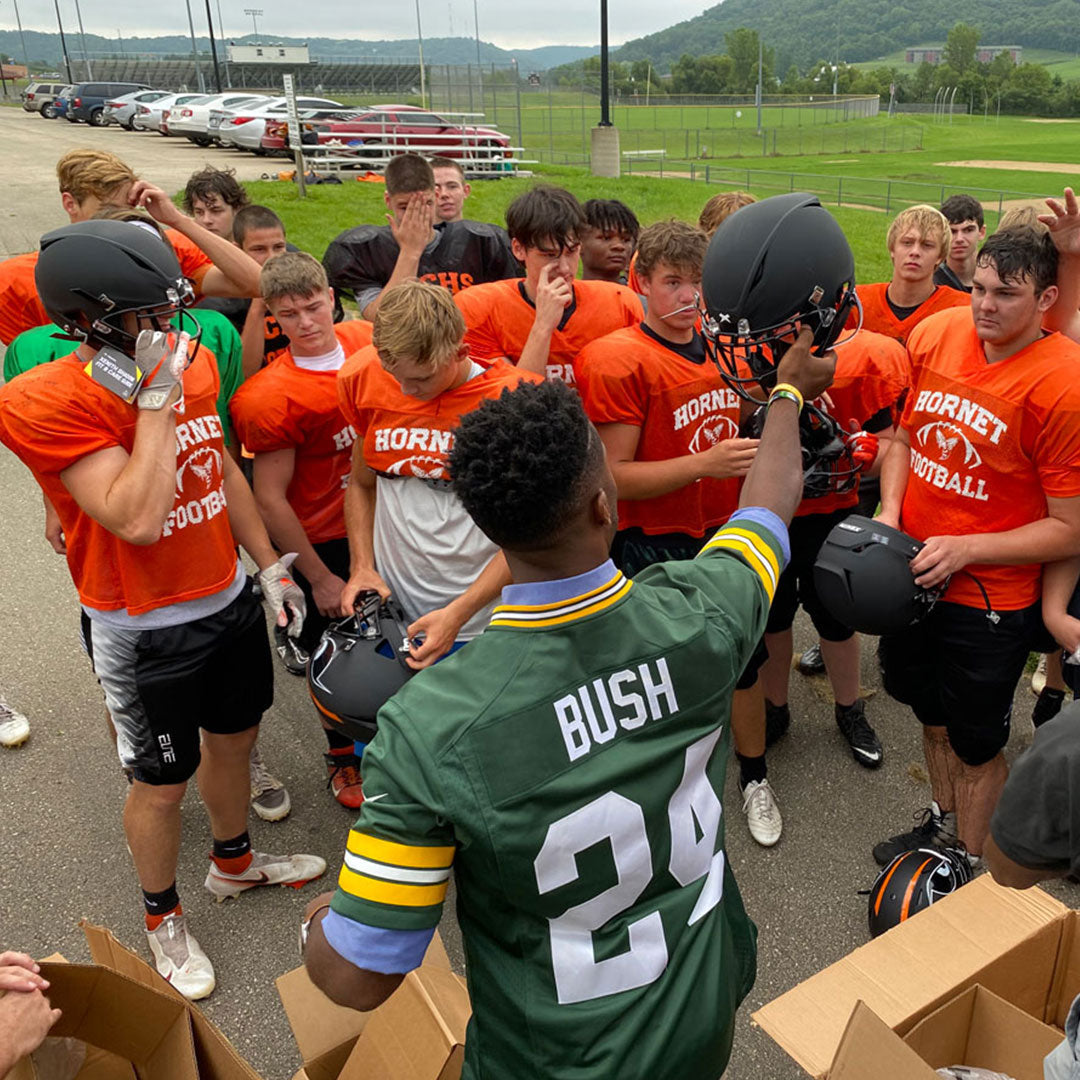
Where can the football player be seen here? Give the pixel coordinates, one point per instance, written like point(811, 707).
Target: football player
point(288, 416)
point(542, 321)
point(451, 190)
point(608, 240)
point(581, 731)
point(362, 262)
point(124, 440)
point(213, 197)
point(968, 230)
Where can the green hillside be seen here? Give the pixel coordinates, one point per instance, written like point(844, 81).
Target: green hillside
point(1067, 65)
point(803, 31)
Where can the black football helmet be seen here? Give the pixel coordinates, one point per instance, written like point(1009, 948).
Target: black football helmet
point(912, 882)
point(90, 274)
point(359, 665)
point(863, 577)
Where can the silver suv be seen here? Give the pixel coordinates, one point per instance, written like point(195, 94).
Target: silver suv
point(39, 97)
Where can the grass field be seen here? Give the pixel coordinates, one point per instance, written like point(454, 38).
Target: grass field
point(1065, 64)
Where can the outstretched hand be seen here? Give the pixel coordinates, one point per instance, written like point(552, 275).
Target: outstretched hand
point(1063, 221)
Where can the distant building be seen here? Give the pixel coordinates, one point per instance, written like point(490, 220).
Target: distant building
point(13, 71)
point(935, 54)
point(269, 52)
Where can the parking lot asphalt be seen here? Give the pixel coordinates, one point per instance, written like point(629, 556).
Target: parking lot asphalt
point(29, 197)
point(62, 853)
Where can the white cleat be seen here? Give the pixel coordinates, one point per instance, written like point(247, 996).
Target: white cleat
point(180, 960)
point(14, 727)
point(762, 813)
point(294, 870)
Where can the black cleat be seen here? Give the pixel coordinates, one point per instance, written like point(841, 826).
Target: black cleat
point(811, 663)
point(861, 737)
point(294, 658)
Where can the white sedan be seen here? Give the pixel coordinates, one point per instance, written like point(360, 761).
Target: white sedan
point(150, 116)
point(121, 110)
point(243, 126)
point(191, 120)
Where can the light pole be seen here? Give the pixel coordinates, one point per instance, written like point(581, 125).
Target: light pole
point(82, 38)
point(420, 46)
point(213, 48)
point(254, 13)
point(221, 30)
point(18, 21)
point(63, 42)
point(476, 24)
point(195, 50)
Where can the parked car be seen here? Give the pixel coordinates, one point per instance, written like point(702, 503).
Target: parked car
point(88, 99)
point(392, 129)
point(150, 116)
point(275, 139)
point(191, 119)
point(244, 127)
point(39, 96)
point(121, 110)
point(63, 103)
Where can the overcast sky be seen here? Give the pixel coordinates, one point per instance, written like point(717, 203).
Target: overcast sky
point(507, 23)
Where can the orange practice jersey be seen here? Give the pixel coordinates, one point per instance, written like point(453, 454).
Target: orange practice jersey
point(633, 282)
point(989, 444)
point(498, 318)
point(54, 415)
point(681, 407)
point(285, 407)
point(879, 317)
point(20, 308)
point(401, 435)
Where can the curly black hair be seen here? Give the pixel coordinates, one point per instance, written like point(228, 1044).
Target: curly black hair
point(521, 463)
point(611, 215)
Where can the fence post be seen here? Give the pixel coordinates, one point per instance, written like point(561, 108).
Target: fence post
point(1001, 199)
point(888, 196)
point(839, 191)
point(942, 195)
point(692, 177)
point(791, 184)
point(686, 144)
point(706, 174)
point(551, 124)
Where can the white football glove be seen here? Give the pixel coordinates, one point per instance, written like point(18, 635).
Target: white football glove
point(285, 597)
point(164, 363)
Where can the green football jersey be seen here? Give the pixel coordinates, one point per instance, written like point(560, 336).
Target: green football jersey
point(40, 345)
point(568, 765)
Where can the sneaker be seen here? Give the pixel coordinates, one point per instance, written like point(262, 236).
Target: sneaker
point(294, 870)
point(179, 958)
point(861, 737)
point(343, 777)
point(777, 722)
point(1048, 705)
point(1038, 677)
point(933, 829)
point(269, 799)
point(14, 727)
point(292, 655)
point(762, 814)
point(811, 663)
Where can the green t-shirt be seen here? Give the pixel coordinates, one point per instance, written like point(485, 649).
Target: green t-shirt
point(568, 764)
point(219, 336)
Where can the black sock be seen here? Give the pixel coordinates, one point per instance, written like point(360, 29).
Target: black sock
point(751, 769)
point(336, 740)
point(161, 903)
point(235, 848)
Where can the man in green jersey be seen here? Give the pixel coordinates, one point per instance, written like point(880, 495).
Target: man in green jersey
point(568, 765)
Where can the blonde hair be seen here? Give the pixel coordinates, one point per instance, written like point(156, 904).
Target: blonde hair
point(85, 173)
point(420, 322)
point(294, 273)
point(676, 243)
point(1022, 217)
point(929, 221)
point(720, 207)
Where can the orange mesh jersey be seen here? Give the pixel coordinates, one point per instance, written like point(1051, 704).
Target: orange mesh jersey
point(681, 407)
point(285, 407)
point(54, 415)
point(20, 308)
point(499, 316)
point(989, 444)
point(879, 317)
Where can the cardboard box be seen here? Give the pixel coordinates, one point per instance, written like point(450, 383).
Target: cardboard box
point(975, 1028)
point(1020, 945)
point(419, 1028)
point(127, 1023)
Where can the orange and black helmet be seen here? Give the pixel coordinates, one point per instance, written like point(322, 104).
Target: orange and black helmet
point(913, 881)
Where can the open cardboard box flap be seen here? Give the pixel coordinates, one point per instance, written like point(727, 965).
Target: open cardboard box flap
point(906, 973)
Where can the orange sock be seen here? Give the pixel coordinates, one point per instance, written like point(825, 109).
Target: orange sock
point(235, 865)
point(154, 921)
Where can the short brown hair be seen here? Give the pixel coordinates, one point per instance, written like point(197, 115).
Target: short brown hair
point(407, 173)
point(254, 217)
point(930, 222)
point(676, 243)
point(417, 321)
point(294, 273)
point(1025, 216)
point(720, 207)
point(438, 162)
point(85, 173)
point(545, 213)
point(220, 182)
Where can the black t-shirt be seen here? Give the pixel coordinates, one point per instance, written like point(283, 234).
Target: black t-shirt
point(1037, 820)
point(361, 261)
point(693, 350)
point(944, 275)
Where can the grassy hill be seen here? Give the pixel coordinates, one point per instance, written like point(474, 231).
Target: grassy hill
point(804, 31)
point(1065, 64)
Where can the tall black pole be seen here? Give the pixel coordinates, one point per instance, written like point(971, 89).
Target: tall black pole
point(213, 47)
point(605, 93)
point(63, 41)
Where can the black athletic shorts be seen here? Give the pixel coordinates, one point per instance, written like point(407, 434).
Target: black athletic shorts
point(796, 585)
point(335, 553)
point(633, 549)
point(163, 686)
point(958, 670)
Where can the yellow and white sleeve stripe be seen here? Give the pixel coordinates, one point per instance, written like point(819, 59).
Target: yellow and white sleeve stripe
point(754, 551)
point(386, 872)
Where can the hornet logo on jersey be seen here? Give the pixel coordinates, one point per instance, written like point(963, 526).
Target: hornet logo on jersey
point(204, 464)
point(715, 429)
point(947, 437)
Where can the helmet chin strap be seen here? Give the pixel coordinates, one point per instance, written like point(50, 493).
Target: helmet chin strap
point(695, 307)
